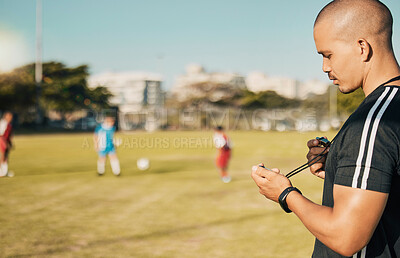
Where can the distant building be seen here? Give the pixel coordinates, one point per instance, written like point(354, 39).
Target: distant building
point(132, 91)
point(135, 94)
point(286, 87)
point(196, 75)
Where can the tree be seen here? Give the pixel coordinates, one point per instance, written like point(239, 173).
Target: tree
point(210, 93)
point(348, 103)
point(266, 99)
point(17, 93)
point(64, 90)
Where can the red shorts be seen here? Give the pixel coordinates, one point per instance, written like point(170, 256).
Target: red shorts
point(223, 158)
point(3, 145)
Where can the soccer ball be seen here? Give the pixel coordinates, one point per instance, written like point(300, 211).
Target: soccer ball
point(143, 164)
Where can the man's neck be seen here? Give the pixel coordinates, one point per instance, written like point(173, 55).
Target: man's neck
point(379, 73)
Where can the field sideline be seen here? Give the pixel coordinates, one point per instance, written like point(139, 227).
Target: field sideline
point(56, 206)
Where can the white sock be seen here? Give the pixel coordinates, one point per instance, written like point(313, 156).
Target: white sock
point(101, 167)
point(115, 166)
point(3, 169)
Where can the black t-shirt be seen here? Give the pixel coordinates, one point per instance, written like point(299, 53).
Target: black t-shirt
point(366, 155)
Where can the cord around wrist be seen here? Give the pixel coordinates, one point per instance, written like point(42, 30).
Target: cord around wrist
point(283, 196)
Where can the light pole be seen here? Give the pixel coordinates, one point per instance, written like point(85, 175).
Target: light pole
point(333, 112)
point(38, 64)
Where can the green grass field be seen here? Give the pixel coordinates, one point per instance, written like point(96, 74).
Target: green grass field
point(56, 205)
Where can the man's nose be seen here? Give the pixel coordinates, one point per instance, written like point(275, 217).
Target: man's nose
point(326, 66)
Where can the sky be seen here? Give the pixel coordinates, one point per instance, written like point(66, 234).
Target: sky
point(163, 36)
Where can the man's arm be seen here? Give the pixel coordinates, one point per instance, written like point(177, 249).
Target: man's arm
point(346, 228)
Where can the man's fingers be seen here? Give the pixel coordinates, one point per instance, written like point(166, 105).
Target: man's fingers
point(316, 167)
point(319, 159)
point(256, 177)
point(318, 170)
point(261, 172)
point(276, 170)
point(312, 143)
point(264, 173)
point(318, 150)
point(315, 151)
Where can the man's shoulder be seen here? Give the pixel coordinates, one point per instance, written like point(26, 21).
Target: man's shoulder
point(382, 104)
point(376, 121)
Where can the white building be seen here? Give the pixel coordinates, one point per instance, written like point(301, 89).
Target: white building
point(132, 91)
point(135, 94)
point(286, 87)
point(195, 74)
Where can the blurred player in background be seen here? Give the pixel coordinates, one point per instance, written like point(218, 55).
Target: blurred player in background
point(222, 143)
point(5, 142)
point(104, 145)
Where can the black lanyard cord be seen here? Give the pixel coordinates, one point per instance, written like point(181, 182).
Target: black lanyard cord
point(397, 78)
point(311, 162)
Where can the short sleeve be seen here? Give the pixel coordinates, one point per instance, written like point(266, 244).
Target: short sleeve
point(369, 160)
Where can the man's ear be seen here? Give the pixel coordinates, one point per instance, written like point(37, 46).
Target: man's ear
point(365, 50)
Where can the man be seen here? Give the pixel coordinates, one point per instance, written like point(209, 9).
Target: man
point(222, 143)
point(103, 143)
point(360, 211)
point(5, 142)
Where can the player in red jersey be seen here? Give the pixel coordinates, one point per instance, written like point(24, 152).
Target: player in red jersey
point(5, 142)
point(222, 143)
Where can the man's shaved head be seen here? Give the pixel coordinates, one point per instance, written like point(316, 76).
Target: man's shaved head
point(354, 38)
point(354, 19)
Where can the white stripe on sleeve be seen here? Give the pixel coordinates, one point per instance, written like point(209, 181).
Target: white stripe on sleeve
point(364, 137)
point(364, 252)
point(372, 139)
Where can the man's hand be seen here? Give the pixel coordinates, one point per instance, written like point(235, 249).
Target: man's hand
point(315, 148)
point(270, 182)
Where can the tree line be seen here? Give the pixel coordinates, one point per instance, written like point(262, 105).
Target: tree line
point(204, 94)
point(63, 89)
